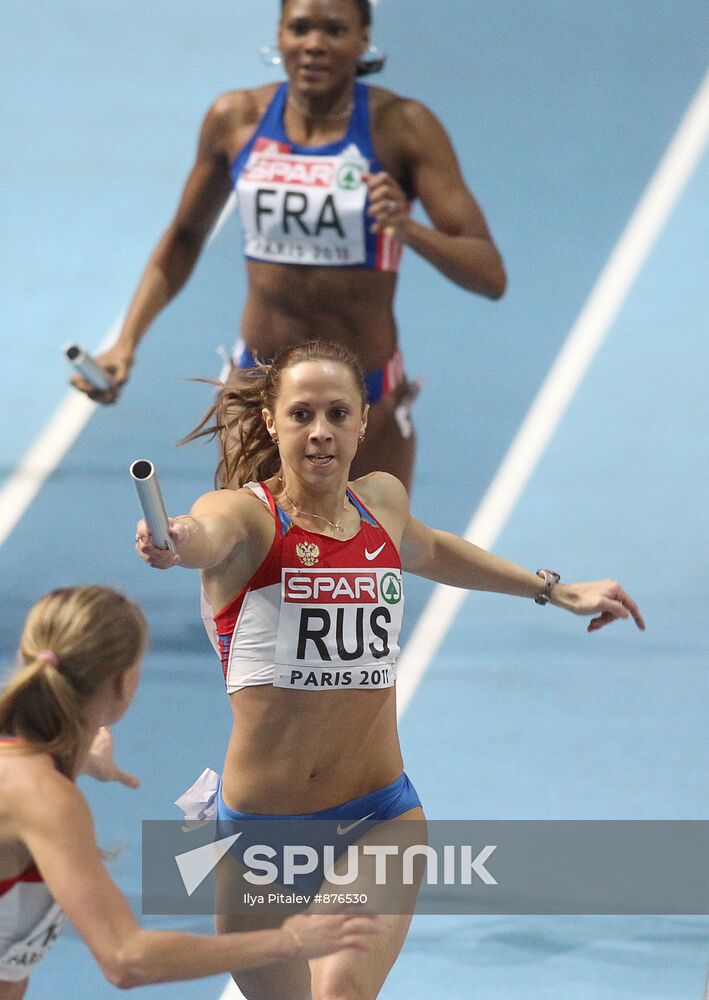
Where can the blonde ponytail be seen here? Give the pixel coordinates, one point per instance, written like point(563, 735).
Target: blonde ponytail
point(74, 639)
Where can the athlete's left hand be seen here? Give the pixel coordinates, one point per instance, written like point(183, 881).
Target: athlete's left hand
point(100, 763)
point(605, 599)
point(387, 205)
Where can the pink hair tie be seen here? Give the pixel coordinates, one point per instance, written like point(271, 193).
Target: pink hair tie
point(49, 656)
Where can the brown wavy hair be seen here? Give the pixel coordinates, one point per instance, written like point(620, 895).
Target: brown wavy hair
point(246, 450)
point(95, 633)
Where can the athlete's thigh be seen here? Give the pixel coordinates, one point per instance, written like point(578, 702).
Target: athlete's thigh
point(360, 975)
point(386, 446)
point(282, 981)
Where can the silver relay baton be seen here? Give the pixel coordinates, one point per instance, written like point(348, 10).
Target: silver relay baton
point(86, 366)
point(147, 487)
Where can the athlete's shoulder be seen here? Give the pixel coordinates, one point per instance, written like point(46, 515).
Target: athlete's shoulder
point(241, 107)
point(30, 782)
point(389, 108)
point(382, 493)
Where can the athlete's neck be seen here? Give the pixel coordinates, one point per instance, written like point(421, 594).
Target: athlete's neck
point(328, 112)
point(326, 508)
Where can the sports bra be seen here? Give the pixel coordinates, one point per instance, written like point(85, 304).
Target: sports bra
point(308, 204)
point(319, 614)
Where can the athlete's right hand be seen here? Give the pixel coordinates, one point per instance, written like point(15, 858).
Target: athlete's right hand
point(314, 935)
point(150, 553)
point(117, 363)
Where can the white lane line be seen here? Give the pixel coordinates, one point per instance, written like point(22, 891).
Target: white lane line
point(557, 390)
point(47, 451)
point(572, 362)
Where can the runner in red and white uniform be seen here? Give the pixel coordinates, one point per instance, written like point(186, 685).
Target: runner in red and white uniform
point(79, 665)
point(338, 607)
point(304, 574)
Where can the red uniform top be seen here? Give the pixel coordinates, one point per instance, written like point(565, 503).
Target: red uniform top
point(318, 614)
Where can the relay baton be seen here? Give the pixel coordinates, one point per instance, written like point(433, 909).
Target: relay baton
point(148, 489)
point(86, 366)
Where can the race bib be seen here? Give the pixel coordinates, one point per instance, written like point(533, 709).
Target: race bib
point(338, 628)
point(19, 960)
point(301, 209)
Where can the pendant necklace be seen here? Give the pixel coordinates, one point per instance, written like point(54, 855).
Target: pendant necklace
point(340, 116)
point(299, 510)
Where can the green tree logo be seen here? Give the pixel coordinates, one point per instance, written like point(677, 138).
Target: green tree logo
point(349, 176)
point(391, 588)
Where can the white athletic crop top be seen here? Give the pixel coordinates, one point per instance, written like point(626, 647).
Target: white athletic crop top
point(318, 614)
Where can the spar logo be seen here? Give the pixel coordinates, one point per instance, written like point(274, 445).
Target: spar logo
point(292, 170)
point(336, 587)
point(391, 588)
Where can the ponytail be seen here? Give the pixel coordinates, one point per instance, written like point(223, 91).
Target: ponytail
point(74, 640)
point(246, 450)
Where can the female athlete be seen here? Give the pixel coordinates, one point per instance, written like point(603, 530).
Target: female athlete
point(303, 571)
point(326, 170)
point(79, 665)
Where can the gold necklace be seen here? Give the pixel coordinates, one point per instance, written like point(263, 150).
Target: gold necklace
point(340, 116)
point(305, 513)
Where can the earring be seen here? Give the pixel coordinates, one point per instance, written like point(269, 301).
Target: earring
point(274, 438)
point(361, 438)
point(270, 55)
point(372, 61)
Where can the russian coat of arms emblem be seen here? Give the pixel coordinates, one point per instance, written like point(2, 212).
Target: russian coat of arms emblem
point(307, 552)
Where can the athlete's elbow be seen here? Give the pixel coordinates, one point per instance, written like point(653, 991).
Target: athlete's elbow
point(126, 968)
point(121, 976)
point(490, 282)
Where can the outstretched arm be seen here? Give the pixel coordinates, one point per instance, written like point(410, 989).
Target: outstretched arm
point(446, 558)
point(221, 524)
point(56, 825)
point(173, 260)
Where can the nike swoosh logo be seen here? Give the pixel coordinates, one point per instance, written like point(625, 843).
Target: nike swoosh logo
point(373, 555)
point(342, 830)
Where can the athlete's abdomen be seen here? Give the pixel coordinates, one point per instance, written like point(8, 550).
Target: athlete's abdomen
point(303, 751)
point(289, 303)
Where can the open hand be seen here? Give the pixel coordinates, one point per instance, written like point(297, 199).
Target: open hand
point(605, 599)
point(321, 934)
point(100, 763)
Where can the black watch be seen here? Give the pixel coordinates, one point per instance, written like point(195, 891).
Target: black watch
point(550, 579)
